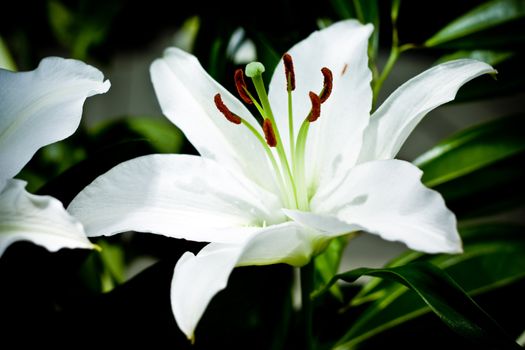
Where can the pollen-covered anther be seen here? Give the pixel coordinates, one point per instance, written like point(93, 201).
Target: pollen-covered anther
point(327, 84)
point(315, 112)
point(269, 133)
point(241, 86)
point(289, 72)
point(235, 119)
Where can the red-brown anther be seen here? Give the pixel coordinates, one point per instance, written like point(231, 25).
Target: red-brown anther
point(241, 86)
point(289, 72)
point(269, 133)
point(315, 112)
point(327, 84)
point(235, 119)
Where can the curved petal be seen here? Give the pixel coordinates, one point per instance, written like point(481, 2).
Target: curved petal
point(38, 219)
point(386, 198)
point(178, 196)
point(393, 122)
point(41, 107)
point(335, 138)
point(198, 278)
point(186, 95)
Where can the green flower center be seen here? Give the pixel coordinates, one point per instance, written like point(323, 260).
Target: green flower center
point(290, 173)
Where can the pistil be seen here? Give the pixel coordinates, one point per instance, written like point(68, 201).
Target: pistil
point(254, 71)
point(313, 115)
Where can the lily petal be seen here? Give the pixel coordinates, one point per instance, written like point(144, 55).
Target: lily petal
point(41, 107)
point(386, 198)
point(198, 278)
point(186, 95)
point(393, 122)
point(335, 138)
point(179, 196)
point(38, 219)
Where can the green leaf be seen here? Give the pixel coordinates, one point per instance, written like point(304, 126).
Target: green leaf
point(491, 57)
point(327, 263)
point(478, 170)
point(485, 16)
point(446, 299)
point(343, 8)
point(6, 60)
point(61, 20)
point(112, 259)
point(163, 135)
point(495, 251)
point(473, 149)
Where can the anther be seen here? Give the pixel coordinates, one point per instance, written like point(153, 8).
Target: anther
point(327, 84)
point(269, 133)
point(241, 86)
point(235, 119)
point(315, 112)
point(289, 72)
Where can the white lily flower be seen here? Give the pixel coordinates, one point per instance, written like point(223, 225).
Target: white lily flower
point(279, 193)
point(38, 108)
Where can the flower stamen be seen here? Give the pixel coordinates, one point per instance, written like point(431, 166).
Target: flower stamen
point(290, 86)
point(289, 71)
point(327, 84)
point(229, 115)
point(241, 86)
point(315, 112)
point(269, 133)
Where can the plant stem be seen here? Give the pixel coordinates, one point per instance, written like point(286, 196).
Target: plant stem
point(307, 284)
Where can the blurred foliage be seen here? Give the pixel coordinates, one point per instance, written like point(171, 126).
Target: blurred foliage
point(478, 171)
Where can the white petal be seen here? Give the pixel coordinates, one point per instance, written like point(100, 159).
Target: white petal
point(393, 122)
point(186, 95)
point(197, 279)
point(335, 138)
point(38, 219)
point(178, 196)
point(41, 107)
point(386, 198)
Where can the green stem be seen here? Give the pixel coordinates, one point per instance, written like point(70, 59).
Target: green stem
point(392, 59)
point(307, 285)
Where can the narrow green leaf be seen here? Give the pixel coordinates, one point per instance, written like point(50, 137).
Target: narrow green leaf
point(61, 20)
point(327, 263)
point(163, 135)
point(473, 149)
point(487, 15)
point(112, 259)
point(479, 171)
point(343, 8)
point(446, 299)
point(495, 251)
point(6, 60)
point(491, 57)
